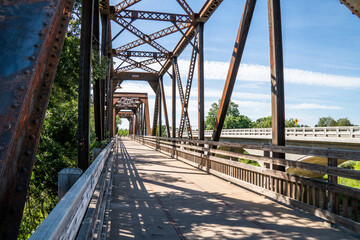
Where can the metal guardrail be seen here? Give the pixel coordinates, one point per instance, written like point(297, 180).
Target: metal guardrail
point(297, 132)
point(65, 219)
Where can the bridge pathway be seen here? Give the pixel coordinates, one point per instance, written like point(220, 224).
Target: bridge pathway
point(157, 197)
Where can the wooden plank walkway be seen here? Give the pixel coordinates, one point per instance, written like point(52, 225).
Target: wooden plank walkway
point(157, 197)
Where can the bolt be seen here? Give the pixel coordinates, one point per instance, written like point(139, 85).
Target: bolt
point(7, 126)
point(18, 188)
point(53, 56)
point(55, 47)
point(27, 72)
point(27, 152)
point(40, 34)
point(31, 137)
point(24, 169)
point(47, 14)
point(35, 121)
point(32, 58)
point(38, 109)
point(37, 45)
point(44, 24)
point(15, 105)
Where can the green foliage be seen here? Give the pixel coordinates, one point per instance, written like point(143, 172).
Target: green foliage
point(330, 122)
point(351, 182)
point(123, 132)
point(233, 118)
point(163, 131)
point(265, 122)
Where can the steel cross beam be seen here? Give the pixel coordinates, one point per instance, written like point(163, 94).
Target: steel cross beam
point(182, 98)
point(137, 64)
point(125, 4)
point(140, 34)
point(155, 16)
point(156, 35)
point(140, 54)
point(205, 13)
point(25, 83)
point(186, 7)
point(184, 110)
point(234, 67)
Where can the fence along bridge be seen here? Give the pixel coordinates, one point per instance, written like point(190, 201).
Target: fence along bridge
point(162, 185)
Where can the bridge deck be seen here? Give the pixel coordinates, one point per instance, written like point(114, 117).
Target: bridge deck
point(157, 197)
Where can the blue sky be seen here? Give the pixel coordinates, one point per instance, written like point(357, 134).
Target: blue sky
point(321, 41)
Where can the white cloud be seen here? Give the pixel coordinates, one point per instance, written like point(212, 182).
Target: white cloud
point(311, 106)
point(259, 73)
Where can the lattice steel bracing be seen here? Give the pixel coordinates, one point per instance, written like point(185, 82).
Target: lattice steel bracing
point(155, 16)
point(156, 113)
point(184, 112)
point(125, 4)
point(182, 98)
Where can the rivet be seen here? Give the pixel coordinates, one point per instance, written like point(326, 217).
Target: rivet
point(47, 74)
point(55, 47)
point(7, 126)
point(27, 152)
point(40, 34)
point(57, 39)
point(15, 105)
point(64, 19)
point(38, 108)
point(53, 56)
point(44, 24)
point(31, 137)
point(18, 188)
point(47, 14)
point(24, 169)
point(21, 88)
point(32, 58)
point(27, 72)
point(37, 45)
point(51, 65)
point(35, 121)
point(59, 32)
point(41, 96)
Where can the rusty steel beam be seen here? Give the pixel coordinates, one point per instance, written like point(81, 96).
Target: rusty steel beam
point(277, 78)
point(140, 54)
point(184, 110)
point(156, 35)
point(104, 53)
point(353, 5)
point(87, 18)
point(162, 92)
point(140, 35)
point(186, 7)
point(155, 16)
point(137, 64)
point(156, 112)
point(182, 99)
point(125, 4)
point(205, 13)
point(97, 82)
point(234, 67)
point(27, 73)
point(201, 99)
point(173, 96)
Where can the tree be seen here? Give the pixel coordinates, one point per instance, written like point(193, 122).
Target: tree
point(233, 118)
point(344, 122)
point(326, 122)
point(264, 122)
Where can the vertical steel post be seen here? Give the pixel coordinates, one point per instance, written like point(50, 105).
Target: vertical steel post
point(159, 92)
point(162, 93)
point(84, 84)
point(277, 78)
point(234, 67)
point(104, 53)
point(173, 82)
point(201, 100)
point(147, 116)
point(97, 86)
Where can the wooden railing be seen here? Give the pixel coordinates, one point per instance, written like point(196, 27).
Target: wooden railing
point(65, 221)
point(326, 199)
point(291, 133)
